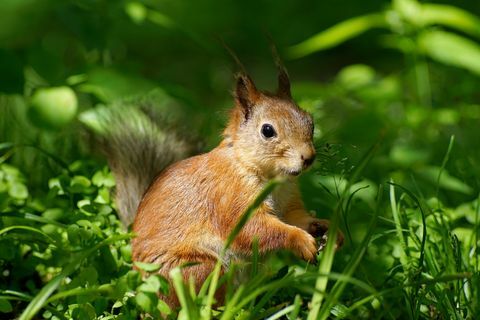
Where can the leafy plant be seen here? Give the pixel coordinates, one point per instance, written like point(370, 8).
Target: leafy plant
point(415, 31)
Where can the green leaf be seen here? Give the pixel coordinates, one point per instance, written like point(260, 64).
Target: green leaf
point(298, 304)
point(148, 267)
point(337, 34)
point(464, 234)
point(5, 306)
point(163, 307)
point(151, 284)
point(164, 21)
point(183, 295)
point(107, 259)
point(83, 311)
point(408, 10)
point(18, 191)
point(451, 49)
point(79, 184)
point(27, 228)
point(103, 196)
point(6, 145)
point(134, 278)
point(89, 276)
point(450, 16)
point(340, 311)
point(356, 76)
point(144, 301)
point(53, 214)
point(407, 156)
point(56, 184)
point(103, 178)
point(447, 181)
point(109, 84)
point(136, 11)
point(87, 207)
point(73, 233)
point(126, 252)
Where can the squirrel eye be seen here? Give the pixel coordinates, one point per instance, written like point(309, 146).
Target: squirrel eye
point(268, 131)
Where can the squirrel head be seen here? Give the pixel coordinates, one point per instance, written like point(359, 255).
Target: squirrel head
point(269, 133)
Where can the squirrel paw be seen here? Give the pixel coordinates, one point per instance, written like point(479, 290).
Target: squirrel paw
point(303, 245)
point(318, 228)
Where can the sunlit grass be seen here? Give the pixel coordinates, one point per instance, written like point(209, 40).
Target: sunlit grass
point(432, 274)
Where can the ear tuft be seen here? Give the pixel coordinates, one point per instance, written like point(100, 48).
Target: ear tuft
point(283, 89)
point(283, 83)
point(246, 93)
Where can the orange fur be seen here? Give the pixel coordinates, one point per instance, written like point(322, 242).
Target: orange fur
point(192, 206)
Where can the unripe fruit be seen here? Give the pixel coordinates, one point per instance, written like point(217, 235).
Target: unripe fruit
point(53, 108)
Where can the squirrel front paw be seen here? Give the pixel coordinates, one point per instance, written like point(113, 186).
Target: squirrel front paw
point(303, 244)
point(318, 228)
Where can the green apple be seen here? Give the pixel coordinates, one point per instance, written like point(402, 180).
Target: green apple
point(53, 108)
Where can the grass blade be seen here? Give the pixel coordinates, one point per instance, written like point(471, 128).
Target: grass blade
point(329, 252)
point(353, 263)
point(249, 212)
point(337, 34)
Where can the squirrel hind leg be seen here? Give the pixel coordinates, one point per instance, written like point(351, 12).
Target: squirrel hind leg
point(199, 272)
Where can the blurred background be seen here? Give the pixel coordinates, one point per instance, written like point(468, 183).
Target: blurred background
point(404, 71)
point(403, 76)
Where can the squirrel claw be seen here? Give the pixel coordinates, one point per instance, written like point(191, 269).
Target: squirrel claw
point(319, 230)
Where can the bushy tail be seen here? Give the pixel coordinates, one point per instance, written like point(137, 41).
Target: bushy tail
point(140, 138)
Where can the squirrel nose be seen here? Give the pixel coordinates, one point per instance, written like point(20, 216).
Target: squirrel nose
point(308, 160)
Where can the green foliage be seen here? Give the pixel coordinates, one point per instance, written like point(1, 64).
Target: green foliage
point(414, 31)
point(397, 170)
point(73, 257)
point(451, 49)
point(405, 19)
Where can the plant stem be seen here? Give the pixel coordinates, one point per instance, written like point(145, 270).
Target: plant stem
point(422, 81)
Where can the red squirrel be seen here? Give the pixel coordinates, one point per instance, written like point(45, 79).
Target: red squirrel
point(188, 211)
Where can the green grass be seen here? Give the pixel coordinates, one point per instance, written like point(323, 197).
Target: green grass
point(410, 252)
point(431, 273)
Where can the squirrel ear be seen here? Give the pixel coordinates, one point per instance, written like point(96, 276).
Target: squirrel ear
point(283, 89)
point(283, 83)
point(246, 94)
